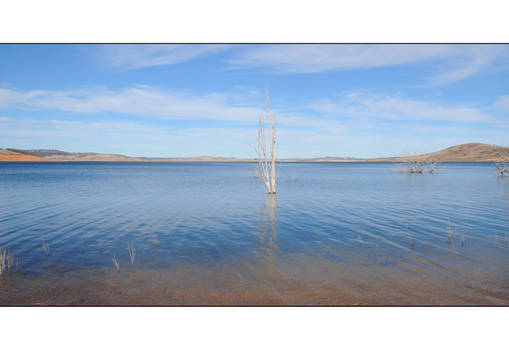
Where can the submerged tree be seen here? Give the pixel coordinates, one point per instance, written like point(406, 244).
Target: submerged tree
point(420, 166)
point(433, 167)
point(266, 148)
point(414, 167)
point(502, 168)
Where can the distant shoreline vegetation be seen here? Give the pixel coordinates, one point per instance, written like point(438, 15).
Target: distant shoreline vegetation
point(469, 152)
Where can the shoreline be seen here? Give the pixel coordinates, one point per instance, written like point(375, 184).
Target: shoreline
point(470, 152)
point(227, 161)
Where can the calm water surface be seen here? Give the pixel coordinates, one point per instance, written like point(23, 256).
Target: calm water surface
point(337, 233)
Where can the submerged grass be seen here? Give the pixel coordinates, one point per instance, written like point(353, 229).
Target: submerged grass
point(115, 262)
point(10, 262)
point(45, 247)
point(132, 252)
point(449, 233)
point(3, 254)
point(7, 262)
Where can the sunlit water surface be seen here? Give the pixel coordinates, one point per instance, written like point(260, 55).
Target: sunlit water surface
point(206, 233)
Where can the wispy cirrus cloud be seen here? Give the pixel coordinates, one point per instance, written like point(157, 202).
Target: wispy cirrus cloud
point(134, 100)
point(379, 106)
point(318, 58)
point(466, 61)
point(325, 114)
point(146, 101)
point(129, 138)
point(453, 62)
point(137, 139)
point(331, 124)
point(502, 103)
point(144, 55)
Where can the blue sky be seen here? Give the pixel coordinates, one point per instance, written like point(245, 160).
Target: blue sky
point(191, 100)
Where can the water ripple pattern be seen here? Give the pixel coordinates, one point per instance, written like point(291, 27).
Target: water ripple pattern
point(453, 224)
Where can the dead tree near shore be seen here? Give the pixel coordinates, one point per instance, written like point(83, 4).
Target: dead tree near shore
point(502, 168)
point(414, 167)
point(266, 148)
point(420, 167)
point(433, 167)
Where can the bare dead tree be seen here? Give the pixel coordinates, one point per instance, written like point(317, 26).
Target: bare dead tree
point(415, 167)
point(502, 168)
point(266, 148)
point(421, 166)
point(433, 167)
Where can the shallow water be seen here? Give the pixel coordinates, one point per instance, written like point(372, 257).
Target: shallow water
point(206, 233)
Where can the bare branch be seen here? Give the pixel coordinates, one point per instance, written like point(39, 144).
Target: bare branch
point(266, 149)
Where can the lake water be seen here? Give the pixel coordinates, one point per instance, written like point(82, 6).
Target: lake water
point(207, 233)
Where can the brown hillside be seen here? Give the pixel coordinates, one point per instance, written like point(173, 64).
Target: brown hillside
point(91, 157)
point(8, 156)
point(468, 152)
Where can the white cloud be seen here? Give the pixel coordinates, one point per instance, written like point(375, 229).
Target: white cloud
point(357, 124)
point(137, 139)
point(321, 58)
point(466, 61)
point(127, 138)
point(502, 103)
point(141, 56)
point(399, 108)
point(455, 62)
point(156, 103)
point(135, 100)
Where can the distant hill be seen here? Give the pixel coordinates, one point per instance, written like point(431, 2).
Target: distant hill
point(9, 156)
point(40, 152)
point(468, 152)
point(324, 159)
point(12, 154)
point(56, 155)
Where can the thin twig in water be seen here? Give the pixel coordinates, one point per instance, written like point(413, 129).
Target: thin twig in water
point(132, 252)
point(449, 233)
point(10, 262)
point(45, 247)
point(255, 174)
point(154, 239)
point(115, 262)
point(462, 240)
point(3, 253)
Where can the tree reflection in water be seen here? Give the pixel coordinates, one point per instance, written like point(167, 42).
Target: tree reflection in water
point(266, 230)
